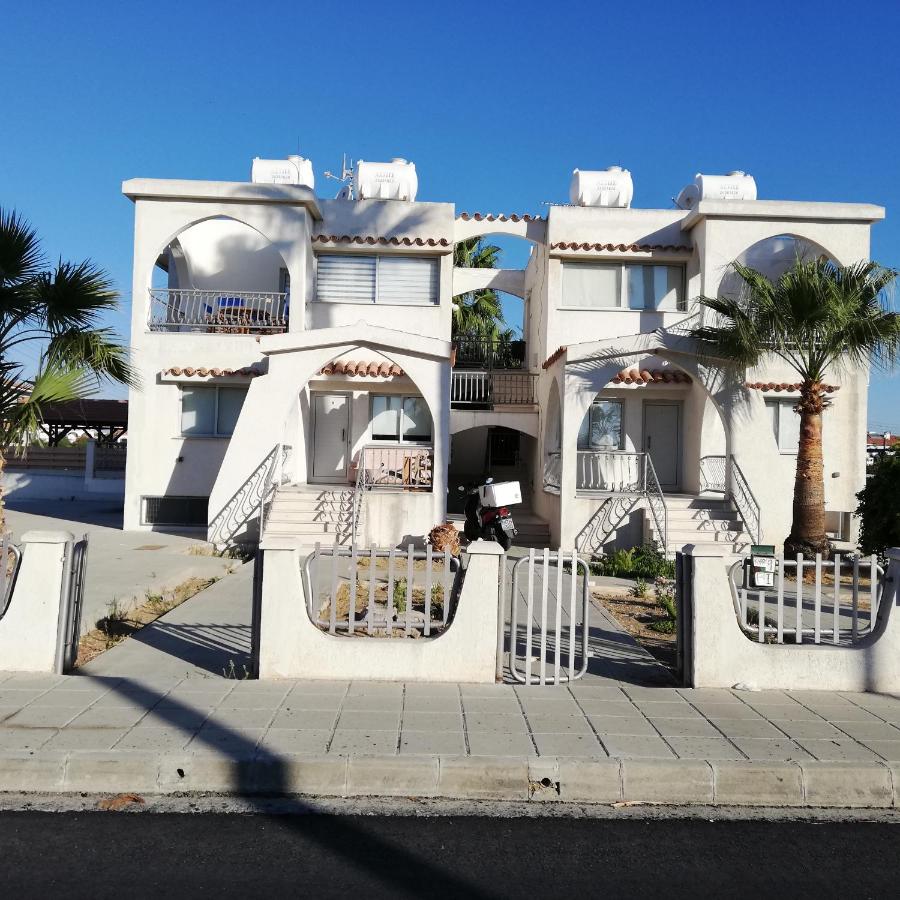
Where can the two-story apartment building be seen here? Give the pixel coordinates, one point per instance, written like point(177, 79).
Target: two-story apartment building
point(298, 367)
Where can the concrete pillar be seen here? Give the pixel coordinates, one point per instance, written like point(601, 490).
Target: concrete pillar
point(89, 455)
point(30, 630)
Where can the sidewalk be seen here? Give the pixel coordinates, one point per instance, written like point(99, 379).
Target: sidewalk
point(591, 743)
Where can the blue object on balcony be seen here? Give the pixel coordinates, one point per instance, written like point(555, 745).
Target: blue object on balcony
point(231, 302)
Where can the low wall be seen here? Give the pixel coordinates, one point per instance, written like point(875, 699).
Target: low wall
point(396, 518)
point(291, 646)
point(721, 656)
point(37, 484)
point(30, 631)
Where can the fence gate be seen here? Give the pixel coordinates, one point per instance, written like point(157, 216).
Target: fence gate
point(549, 618)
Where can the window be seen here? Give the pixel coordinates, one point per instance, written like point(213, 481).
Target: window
point(785, 424)
point(176, 511)
point(601, 428)
point(210, 411)
point(347, 278)
point(623, 286)
point(396, 418)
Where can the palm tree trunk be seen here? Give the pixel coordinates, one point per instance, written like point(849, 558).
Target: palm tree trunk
point(808, 528)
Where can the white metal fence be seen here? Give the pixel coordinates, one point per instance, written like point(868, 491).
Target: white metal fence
point(549, 618)
point(226, 311)
point(404, 467)
point(386, 593)
point(830, 601)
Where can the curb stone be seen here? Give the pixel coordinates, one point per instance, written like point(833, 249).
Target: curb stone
point(539, 779)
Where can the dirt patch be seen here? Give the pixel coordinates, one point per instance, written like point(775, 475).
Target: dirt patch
point(117, 625)
point(637, 616)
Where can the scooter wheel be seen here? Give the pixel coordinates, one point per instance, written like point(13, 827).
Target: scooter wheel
point(472, 532)
point(502, 538)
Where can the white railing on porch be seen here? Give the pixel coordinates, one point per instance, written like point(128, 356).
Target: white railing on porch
point(395, 467)
point(610, 471)
point(713, 476)
point(229, 312)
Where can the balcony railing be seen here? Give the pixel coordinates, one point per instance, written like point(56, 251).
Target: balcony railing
point(407, 468)
point(220, 312)
point(610, 471)
point(475, 353)
point(488, 389)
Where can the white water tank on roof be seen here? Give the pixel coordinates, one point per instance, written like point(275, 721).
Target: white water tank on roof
point(394, 180)
point(735, 185)
point(609, 187)
point(293, 170)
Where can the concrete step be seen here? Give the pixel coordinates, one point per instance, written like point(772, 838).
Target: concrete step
point(688, 515)
point(689, 501)
point(701, 537)
point(304, 517)
point(315, 489)
point(276, 526)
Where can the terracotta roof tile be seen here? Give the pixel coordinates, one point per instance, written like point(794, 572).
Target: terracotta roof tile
point(651, 376)
point(363, 368)
point(383, 241)
point(785, 386)
point(491, 217)
point(621, 248)
point(553, 357)
point(215, 372)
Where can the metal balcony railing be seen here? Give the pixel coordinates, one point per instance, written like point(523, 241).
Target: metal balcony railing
point(475, 353)
point(488, 389)
point(219, 312)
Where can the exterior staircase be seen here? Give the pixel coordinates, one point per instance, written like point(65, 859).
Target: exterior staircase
point(311, 512)
point(705, 520)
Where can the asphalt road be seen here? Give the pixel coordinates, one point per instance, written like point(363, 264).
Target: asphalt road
point(107, 854)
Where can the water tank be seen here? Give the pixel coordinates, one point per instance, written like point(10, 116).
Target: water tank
point(293, 170)
point(610, 187)
point(735, 185)
point(394, 180)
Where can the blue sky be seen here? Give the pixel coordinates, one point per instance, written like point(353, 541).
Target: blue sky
point(496, 103)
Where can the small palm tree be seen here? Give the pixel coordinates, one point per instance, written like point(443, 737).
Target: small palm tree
point(58, 310)
point(817, 317)
point(477, 314)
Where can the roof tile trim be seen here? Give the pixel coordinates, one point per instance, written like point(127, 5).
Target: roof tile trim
point(383, 241)
point(651, 376)
point(553, 357)
point(784, 386)
point(621, 248)
point(363, 368)
point(204, 372)
point(491, 217)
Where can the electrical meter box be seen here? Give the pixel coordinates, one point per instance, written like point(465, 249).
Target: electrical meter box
point(760, 569)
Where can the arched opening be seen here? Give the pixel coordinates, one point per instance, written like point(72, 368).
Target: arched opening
point(220, 275)
point(552, 474)
point(772, 257)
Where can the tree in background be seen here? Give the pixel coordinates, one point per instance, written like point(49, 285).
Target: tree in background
point(879, 507)
point(817, 317)
point(56, 310)
point(478, 314)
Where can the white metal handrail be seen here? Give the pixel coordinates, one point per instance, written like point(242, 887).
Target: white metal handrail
point(609, 471)
point(275, 477)
point(713, 477)
point(792, 610)
point(657, 502)
point(747, 505)
point(193, 310)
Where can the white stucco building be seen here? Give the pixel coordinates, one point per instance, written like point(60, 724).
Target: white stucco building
point(297, 362)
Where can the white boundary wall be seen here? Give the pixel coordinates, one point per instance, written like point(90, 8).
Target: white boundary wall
point(29, 632)
point(291, 646)
point(723, 656)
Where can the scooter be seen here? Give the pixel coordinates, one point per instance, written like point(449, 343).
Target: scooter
point(492, 523)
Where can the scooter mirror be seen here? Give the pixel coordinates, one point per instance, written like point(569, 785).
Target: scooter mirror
point(461, 488)
point(489, 481)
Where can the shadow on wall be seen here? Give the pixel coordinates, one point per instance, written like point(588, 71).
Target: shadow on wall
point(238, 520)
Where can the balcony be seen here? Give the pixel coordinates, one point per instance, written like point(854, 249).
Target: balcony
point(475, 353)
point(395, 467)
point(488, 390)
point(218, 312)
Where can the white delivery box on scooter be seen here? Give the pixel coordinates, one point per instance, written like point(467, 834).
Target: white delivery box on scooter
point(500, 493)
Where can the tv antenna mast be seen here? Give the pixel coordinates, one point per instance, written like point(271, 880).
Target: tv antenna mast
point(345, 179)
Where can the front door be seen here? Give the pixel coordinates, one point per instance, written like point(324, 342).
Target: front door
point(331, 428)
point(662, 440)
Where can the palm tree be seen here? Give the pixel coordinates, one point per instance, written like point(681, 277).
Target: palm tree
point(477, 314)
point(57, 310)
point(818, 317)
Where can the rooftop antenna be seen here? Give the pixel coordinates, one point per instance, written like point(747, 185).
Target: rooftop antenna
point(345, 179)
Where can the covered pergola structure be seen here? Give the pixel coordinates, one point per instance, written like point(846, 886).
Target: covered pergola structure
point(104, 420)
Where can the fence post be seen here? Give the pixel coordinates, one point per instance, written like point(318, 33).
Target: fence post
point(89, 456)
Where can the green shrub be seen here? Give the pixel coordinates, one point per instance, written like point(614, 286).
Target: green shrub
point(646, 562)
point(879, 507)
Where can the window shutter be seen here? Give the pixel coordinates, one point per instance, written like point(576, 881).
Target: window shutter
point(403, 279)
point(345, 279)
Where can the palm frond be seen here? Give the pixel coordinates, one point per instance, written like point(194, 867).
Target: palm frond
point(20, 252)
point(95, 351)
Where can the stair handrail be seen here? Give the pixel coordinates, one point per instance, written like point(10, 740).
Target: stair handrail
point(746, 503)
point(358, 488)
point(274, 480)
point(657, 502)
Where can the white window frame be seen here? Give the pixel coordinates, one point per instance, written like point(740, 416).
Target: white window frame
point(205, 387)
point(621, 266)
point(400, 440)
point(434, 261)
point(596, 402)
point(783, 407)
